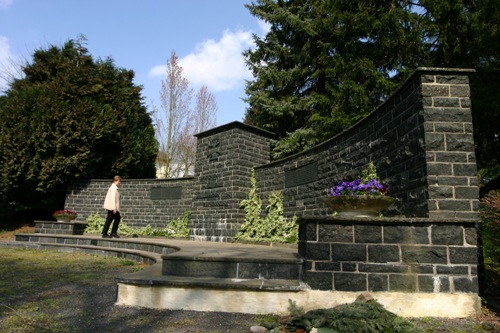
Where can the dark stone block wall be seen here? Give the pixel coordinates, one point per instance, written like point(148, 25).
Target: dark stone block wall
point(390, 254)
point(143, 201)
point(420, 140)
point(225, 157)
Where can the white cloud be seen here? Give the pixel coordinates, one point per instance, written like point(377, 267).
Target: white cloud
point(5, 3)
point(217, 64)
point(264, 27)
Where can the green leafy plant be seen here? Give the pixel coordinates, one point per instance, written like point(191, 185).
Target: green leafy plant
point(95, 223)
point(179, 228)
point(490, 213)
point(279, 229)
point(175, 229)
point(252, 205)
point(274, 227)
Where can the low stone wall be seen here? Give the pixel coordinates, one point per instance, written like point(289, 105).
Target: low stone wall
point(390, 255)
point(144, 202)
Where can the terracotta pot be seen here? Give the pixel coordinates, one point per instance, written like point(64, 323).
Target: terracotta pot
point(358, 205)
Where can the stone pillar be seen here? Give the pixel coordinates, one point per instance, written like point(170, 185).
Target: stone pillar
point(453, 190)
point(225, 157)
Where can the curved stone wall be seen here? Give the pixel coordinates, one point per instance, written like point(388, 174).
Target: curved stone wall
point(421, 141)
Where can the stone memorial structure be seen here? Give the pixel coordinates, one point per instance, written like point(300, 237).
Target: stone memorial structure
point(421, 141)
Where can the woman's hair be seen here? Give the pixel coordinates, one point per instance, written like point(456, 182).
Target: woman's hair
point(117, 178)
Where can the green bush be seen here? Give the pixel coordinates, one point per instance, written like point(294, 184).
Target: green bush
point(490, 213)
point(175, 229)
point(274, 227)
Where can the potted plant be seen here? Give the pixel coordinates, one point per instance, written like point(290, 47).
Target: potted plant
point(64, 215)
point(363, 197)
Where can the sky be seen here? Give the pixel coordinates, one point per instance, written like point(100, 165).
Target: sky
point(208, 36)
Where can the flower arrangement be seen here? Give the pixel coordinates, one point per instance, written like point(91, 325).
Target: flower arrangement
point(363, 197)
point(65, 215)
point(368, 184)
point(65, 212)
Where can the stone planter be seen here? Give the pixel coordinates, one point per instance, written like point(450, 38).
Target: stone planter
point(358, 205)
point(64, 217)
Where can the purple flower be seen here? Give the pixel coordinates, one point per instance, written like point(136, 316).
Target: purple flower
point(357, 187)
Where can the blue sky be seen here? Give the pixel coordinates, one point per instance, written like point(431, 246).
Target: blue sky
point(208, 36)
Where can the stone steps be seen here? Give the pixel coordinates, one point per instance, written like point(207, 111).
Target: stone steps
point(59, 228)
point(184, 262)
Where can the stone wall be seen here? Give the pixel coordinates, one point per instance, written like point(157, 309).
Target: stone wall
point(390, 255)
point(225, 157)
point(420, 140)
point(143, 201)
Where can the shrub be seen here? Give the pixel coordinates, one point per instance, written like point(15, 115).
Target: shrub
point(175, 229)
point(274, 227)
point(490, 213)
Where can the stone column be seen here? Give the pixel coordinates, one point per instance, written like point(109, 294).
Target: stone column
point(225, 157)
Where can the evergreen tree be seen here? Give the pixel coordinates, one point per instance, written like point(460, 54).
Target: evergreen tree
point(326, 64)
point(70, 117)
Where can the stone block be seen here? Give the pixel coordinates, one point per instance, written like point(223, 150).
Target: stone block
point(424, 254)
point(471, 236)
point(383, 253)
point(465, 284)
point(383, 268)
point(435, 283)
point(449, 127)
point(368, 233)
point(421, 269)
point(451, 157)
point(452, 270)
point(349, 282)
point(378, 282)
point(452, 180)
point(308, 231)
point(452, 79)
point(459, 142)
point(349, 267)
point(406, 235)
point(447, 235)
point(348, 252)
point(447, 102)
point(403, 282)
point(450, 115)
point(318, 251)
point(327, 266)
point(431, 90)
point(469, 192)
point(319, 280)
point(464, 255)
point(435, 141)
point(335, 233)
point(439, 169)
point(455, 205)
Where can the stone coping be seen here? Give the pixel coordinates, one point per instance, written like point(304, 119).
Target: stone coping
point(387, 220)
